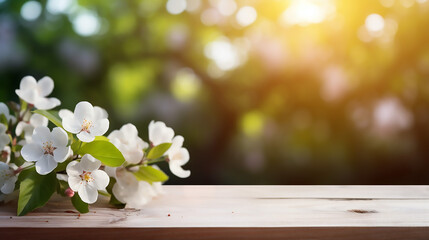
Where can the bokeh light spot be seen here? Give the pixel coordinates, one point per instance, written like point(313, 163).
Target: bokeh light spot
point(31, 10)
point(86, 23)
point(193, 5)
point(305, 12)
point(58, 6)
point(226, 7)
point(223, 53)
point(374, 23)
point(246, 16)
point(176, 6)
point(185, 85)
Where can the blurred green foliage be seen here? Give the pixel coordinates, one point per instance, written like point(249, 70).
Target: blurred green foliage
point(309, 92)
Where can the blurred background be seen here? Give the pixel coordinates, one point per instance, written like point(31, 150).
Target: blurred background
point(264, 92)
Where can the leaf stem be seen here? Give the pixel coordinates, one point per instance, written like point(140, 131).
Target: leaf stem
point(161, 159)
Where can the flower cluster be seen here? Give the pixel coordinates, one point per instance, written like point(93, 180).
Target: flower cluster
point(44, 151)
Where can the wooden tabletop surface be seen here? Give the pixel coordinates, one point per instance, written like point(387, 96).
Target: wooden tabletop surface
point(395, 211)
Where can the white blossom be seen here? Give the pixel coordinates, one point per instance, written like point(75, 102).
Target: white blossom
point(177, 157)
point(36, 93)
point(129, 143)
point(27, 127)
point(5, 110)
point(4, 138)
point(47, 149)
point(7, 178)
point(86, 121)
point(86, 179)
point(134, 193)
point(160, 133)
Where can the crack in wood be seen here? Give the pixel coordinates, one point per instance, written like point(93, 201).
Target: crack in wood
point(360, 211)
point(115, 220)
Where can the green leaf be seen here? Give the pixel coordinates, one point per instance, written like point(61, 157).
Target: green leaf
point(3, 120)
point(104, 151)
point(35, 190)
point(158, 151)
point(80, 205)
point(62, 166)
point(76, 145)
point(51, 115)
point(101, 138)
point(18, 161)
point(24, 105)
point(150, 174)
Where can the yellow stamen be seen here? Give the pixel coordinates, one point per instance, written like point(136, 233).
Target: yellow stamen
point(48, 148)
point(86, 125)
point(86, 176)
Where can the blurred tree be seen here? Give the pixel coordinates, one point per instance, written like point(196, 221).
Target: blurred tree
point(279, 92)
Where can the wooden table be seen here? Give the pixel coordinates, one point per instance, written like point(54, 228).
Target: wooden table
point(238, 212)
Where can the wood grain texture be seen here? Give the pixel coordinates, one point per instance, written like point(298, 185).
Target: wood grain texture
point(243, 212)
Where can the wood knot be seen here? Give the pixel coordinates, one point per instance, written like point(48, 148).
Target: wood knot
point(360, 211)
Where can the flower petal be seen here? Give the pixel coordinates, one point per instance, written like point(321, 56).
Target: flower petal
point(180, 156)
point(27, 89)
point(100, 113)
point(177, 170)
point(32, 152)
point(101, 179)
point(65, 113)
point(177, 143)
point(115, 136)
point(45, 86)
point(84, 110)
point(71, 124)
point(100, 127)
point(88, 193)
point(38, 120)
point(111, 171)
point(133, 156)
point(4, 109)
point(142, 144)
point(63, 177)
point(85, 137)
point(75, 182)
point(89, 163)
point(160, 133)
point(46, 164)
point(28, 82)
point(46, 103)
point(59, 137)
point(22, 127)
point(41, 134)
point(9, 185)
point(129, 130)
point(74, 168)
point(4, 140)
point(119, 193)
point(29, 95)
point(125, 178)
point(61, 154)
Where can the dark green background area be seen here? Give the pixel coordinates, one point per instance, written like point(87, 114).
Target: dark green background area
point(259, 123)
